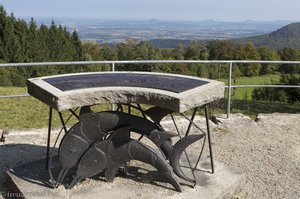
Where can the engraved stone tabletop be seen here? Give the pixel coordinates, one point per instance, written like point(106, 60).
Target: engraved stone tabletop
point(173, 92)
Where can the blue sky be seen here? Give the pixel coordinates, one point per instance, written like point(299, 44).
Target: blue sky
point(194, 10)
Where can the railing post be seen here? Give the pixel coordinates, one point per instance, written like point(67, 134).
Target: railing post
point(229, 89)
point(113, 66)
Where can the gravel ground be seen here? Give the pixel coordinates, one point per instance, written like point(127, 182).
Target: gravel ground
point(267, 151)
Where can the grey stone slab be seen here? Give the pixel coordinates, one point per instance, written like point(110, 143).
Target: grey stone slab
point(175, 101)
point(32, 181)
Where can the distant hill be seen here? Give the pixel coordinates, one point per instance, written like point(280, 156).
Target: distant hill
point(287, 36)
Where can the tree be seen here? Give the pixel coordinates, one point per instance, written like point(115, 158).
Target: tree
point(126, 50)
point(3, 17)
point(269, 94)
point(248, 52)
point(192, 51)
point(52, 41)
point(196, 51)
point(289, 54)
point(109, 53)
point(221, 50)
point(22, 42)
point(43, 37)
point(146, 51)
point(92, 51)
point(267, 53)
point(178, 52)
point(11, 44)
point(34, 50)
point(202, 71)
point(166, 53)
point(293, 94)
point(181, 68)
point(22, 32)
point(76, 47)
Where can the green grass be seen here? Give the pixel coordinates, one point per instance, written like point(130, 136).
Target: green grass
point(12, 90)
point(27, 112)
point(245, 93)
point(19, 113)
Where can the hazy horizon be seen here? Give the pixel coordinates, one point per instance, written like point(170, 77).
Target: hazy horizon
point(167, 10)
point(154, 19)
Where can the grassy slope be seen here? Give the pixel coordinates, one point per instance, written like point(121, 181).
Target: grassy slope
point(241, 93)
point(25, 112)
point(19, 113)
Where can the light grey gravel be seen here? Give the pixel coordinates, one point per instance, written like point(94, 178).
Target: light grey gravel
point(267, 151)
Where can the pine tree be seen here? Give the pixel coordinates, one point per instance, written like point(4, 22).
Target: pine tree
point(52, 41)
point(77, 47)
point(43, 37)
point(21, 31)
point(12, 47)
point(34, 47)
point(3, 17)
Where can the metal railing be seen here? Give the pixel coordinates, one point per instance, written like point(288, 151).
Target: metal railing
point(113, 63)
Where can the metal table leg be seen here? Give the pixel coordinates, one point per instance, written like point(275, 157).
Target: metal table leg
point(50, 156)
point(191, 122)
point(62, 122)
point(48, 139)
point(209, 140)
point(49, 135)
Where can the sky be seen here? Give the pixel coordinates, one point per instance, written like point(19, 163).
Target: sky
point(173, 10)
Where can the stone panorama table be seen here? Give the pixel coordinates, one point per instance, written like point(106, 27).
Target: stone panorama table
point(101, 141)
